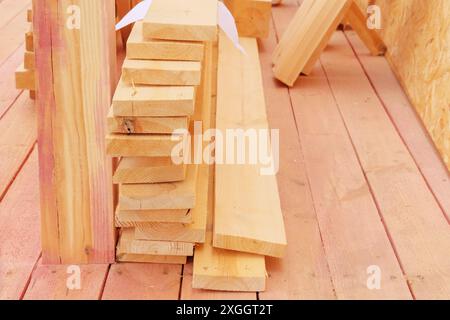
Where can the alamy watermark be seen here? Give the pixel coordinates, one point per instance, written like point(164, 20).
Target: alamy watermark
point(237, 146)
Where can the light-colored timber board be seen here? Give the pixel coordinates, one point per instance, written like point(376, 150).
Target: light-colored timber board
point(190, 232)
point(247, 214)
point(194, 20)
point(170, 195)
point(147, 258)
point(148, 170)
point(128, 244)
point(295, 276)
point(134, 218)
point(25, 78)
point(139, 48)
point(145, 125)
point(159, 72)
point(156, 101)
point(157, 145)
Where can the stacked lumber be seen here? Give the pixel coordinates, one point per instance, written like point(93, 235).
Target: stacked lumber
point(310, 31)
point(165, 86)
point(25, 78)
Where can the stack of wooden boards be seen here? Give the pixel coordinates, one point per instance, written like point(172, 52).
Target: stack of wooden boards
point(310, 31)
point(165, 86)
point(25, 78)
point(177, 70)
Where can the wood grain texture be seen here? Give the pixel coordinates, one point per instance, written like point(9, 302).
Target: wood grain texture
point(153, 101)
point(145, 125)
point(148, 170)
point(189, 232)
point(50, 282)
point(416, 33)
point(253, 17)
point(15, 144)
point(195, 20)
point(159, 72)
point(417, 226)
point(19, 236)
point(173, 195)
point(303, 273)
point(140, 48)
point(9, 93)
point(135, 218)
point(407, 122)
point(248, 215)
point(128, 244)
point(142, 282)
point(80, 64)
point(146, 258)
point(157, 145)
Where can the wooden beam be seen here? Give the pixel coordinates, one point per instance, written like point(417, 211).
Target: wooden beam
point(25, 78)
point(190, 232)
point(155, 145)
point(29, 41)
point(148, 258)
point(75, 74)
point(157, 72)
point(152, 49)
point(148, 170)
point(243, 193)
point(142, 125)
point(194, 20)
point(358, 21)
point(308, 38)
point(149, 101)
point(174, 195)
point(253, 17)
point(135, 218)
point(28, 60)
point(129, 244)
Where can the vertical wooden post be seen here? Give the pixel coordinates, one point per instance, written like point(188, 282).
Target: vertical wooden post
point(75, 77)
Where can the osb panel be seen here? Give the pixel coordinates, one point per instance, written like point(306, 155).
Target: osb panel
point(417, 33)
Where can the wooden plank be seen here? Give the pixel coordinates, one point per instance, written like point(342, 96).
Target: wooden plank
point(407, 122)
point(9, 92)
point(416, 224)
point(148, 101)
point(242, 192)
point(148, 170)
point(29, 41)
point(28, 61)
point(158, 145)
point(310, 38)
point(145, 258)
point(130, 245)
point(253, 17)
point(16, 144)
point(135, 218)
point(76, 183)
point(12, 31)
point(189, 293)
point(9, 9)
point(19, 236)
point(131, 281)
point(25, 79)
point(157, 72)
point(150, 125)
point(190, 232)
point(153, 49)
point(50, 282)
point(294, 21)
point(175, 195)
point(29, 15)
point(303, 273)
point(338, 184)
point(358, 21)
point(195, 20)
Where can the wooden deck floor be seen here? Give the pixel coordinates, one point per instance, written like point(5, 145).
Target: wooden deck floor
point(361, 185)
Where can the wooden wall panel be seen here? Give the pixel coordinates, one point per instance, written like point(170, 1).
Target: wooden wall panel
point(417, 33)
point(75, 78)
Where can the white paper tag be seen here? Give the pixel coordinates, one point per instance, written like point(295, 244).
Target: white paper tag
point(226, 20)
point(137, 13)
